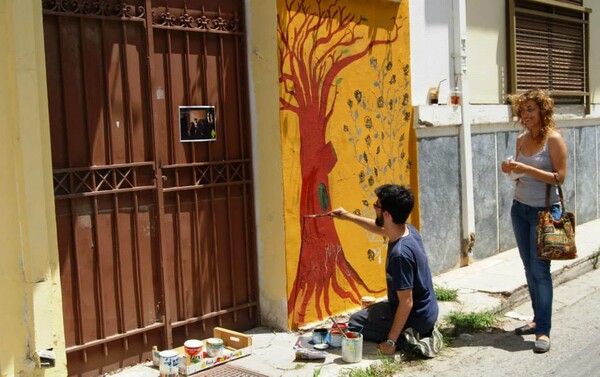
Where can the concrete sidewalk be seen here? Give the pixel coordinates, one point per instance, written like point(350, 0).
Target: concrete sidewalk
point(496, 284)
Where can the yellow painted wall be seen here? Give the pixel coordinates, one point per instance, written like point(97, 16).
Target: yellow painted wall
point(366, 121)
point(31, 315)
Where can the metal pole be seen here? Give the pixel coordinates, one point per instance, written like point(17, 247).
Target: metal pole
point(466, 155)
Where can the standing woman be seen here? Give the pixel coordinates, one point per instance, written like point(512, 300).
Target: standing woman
point(541, 159)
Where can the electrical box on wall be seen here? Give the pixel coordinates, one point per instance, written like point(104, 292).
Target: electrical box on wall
point(45, 358)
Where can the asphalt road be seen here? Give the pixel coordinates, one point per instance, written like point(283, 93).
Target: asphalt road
point(575, 349)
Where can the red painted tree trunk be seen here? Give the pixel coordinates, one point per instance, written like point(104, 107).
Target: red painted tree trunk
point(321, 253)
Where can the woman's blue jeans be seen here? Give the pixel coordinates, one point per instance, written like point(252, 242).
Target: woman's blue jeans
point(537, 271)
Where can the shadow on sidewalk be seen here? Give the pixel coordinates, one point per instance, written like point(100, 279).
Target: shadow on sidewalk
point(496, 338)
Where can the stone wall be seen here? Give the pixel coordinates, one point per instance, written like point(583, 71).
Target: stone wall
point(440, 186)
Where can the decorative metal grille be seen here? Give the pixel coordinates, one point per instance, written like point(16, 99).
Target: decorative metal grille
point(206, 175)
point(196, 23)
point(71, 183)
point(95, 8)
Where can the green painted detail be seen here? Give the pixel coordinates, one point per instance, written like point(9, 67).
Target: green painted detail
point(323, 197)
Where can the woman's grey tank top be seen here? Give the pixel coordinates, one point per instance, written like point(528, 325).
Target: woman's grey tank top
point(531, 191)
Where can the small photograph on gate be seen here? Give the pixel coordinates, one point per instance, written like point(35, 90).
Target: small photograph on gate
point(197, 123)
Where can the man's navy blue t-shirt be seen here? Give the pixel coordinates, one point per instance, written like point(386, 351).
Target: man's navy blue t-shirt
point(407, 268)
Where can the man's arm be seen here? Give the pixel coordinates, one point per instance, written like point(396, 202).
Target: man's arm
point(400, 317)
point(364, 222)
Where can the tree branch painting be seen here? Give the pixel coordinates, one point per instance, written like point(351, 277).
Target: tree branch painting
point(318, 39)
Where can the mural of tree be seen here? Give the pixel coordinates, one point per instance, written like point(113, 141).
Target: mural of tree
point(379, 133)
point(315, 45)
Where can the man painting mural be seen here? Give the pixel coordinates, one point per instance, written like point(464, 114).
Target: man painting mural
point(408, 318)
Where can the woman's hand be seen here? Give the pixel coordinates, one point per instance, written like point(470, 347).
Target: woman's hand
point(505, 166)
point(517, 167)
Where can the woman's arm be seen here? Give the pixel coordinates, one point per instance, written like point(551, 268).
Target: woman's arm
point(506, 166)
point(558, 154)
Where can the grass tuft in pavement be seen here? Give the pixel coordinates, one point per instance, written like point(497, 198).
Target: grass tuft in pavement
point(469, 322)
point(446, 294)
point(386, 368)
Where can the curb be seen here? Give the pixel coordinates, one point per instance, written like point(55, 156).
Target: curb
point(569, 272)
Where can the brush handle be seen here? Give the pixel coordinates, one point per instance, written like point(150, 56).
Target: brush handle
point(338, 327)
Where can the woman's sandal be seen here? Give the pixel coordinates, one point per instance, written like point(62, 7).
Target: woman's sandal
point(541, 345)
point(525, 330)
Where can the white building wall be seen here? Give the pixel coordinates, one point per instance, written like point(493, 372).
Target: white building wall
point(431, 43)
point(486, 51)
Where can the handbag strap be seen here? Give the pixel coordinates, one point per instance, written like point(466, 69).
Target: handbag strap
point(560, 193)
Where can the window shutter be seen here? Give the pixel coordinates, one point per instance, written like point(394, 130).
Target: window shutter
point(550, 55)
point(549, 43)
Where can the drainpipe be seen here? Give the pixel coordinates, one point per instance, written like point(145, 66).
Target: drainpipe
point(466, 156)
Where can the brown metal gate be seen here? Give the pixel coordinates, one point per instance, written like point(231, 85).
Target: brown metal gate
point(156, 236)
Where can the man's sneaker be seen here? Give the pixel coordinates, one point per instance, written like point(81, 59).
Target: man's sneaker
point(429, 346)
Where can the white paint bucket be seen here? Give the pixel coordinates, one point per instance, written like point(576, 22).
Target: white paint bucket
point(352, 346)
point(169, 363)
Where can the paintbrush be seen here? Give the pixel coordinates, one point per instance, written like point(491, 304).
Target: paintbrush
point(317, 215)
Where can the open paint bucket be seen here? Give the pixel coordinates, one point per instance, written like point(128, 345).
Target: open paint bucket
point(366, 301)
point(214, 347)
point(352, 346)
point(335, 338)
point(319, 336)
point(169, 363)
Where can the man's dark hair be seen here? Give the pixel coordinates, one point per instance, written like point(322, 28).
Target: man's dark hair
point(397, 200)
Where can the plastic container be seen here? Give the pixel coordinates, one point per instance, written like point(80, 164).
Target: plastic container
point(455, 97)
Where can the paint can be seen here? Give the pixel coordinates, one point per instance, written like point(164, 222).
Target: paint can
point(193, 349)
point(214, 347)
point(335, 338)
point(319, 336)
point(155, 356)
point(169, 363)
point(367, 301)
point(352, 346)
point(341, 326)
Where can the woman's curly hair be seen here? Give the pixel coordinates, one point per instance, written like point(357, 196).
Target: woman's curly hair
point(544, 102)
